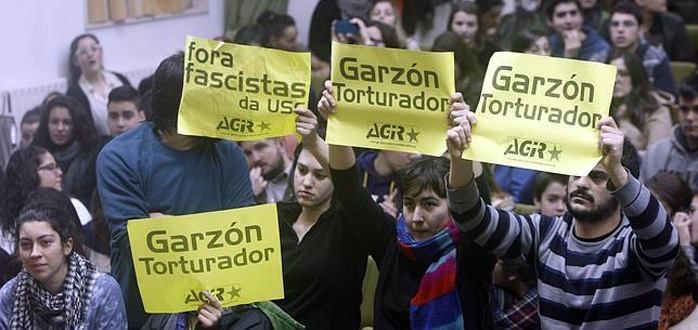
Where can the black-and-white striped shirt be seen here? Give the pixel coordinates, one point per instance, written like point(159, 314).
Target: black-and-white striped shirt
point(616, 282)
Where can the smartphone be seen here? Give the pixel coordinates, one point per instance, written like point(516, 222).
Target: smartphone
point(345, 27)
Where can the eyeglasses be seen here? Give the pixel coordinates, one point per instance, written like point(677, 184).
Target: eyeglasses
point(48, 167)
point(85, 51)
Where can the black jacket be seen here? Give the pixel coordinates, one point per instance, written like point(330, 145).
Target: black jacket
point(399, 277)
point(77, 93)
point(669, 31)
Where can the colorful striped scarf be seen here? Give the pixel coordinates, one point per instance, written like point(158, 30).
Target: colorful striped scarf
point(436, 304)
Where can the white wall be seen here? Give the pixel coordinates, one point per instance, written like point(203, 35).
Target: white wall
point(37, 35)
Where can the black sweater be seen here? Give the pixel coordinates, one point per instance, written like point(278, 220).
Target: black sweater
point(324, 272)
point(399, 277)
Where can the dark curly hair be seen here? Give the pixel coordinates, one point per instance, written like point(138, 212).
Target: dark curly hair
point(83, 126)
point(21, 179)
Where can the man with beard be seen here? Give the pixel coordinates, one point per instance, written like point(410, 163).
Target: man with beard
point(602, 264)
point(270, 170)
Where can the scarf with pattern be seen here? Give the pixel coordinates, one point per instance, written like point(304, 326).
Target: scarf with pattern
point(436, 304)
point(67, 309)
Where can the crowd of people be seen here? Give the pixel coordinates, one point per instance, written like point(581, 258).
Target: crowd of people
point(457, 243)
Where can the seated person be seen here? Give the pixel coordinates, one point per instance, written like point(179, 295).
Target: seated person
point(643, 113)
point(666, 29)
point(549, 193)
point(626, 34)
point(679, 152)
point(58, 287)
point(270, 169)
point(28, 126)
point(518, 281)
point(572, 39)
point(124, 112)
point(594, 15)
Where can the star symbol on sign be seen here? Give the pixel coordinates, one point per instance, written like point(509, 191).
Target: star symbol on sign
point(234, 291)
point(413, 135)
point(555, 154)
point(263, 126)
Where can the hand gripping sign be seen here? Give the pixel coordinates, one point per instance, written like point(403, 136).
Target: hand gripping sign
point(239, 92)
point(234, 254)
point(390, 99)
point(541, 113)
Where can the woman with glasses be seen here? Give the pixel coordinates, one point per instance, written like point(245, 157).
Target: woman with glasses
point(27, 170)
point(642, 111)
point(89, 83)
point(58, 288)
point(66, 132)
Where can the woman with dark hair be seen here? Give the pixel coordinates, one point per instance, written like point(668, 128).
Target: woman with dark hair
point(89, 82)
point(491, 13)
point(550, 193)
point(57, 288)
point(281, 30)
point(466, 21)
point(531, 42)
point(672, 191)
point(641, 110)
point(65, 131)
point(252, 35)
point(468, 73)
point(28, 170)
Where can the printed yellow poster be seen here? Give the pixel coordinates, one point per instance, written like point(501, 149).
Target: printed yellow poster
point(390, 99)
point(541, 113)
point(239, 92)
point(234, 254)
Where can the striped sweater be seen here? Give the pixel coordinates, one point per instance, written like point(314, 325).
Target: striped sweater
point(613, 283)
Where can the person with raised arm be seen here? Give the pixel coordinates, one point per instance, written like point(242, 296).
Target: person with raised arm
point(603, 263)
point(429, 276)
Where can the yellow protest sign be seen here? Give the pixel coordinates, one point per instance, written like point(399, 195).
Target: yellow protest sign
point(240, 92)
point(235, 254)
point(390, 99)
point(541, 113)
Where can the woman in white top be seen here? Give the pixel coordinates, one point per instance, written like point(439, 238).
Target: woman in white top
point(89, 83)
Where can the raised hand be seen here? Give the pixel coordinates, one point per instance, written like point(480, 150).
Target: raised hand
point(327, 105)
point(611, 146)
